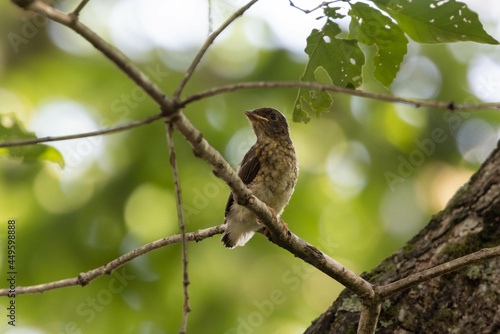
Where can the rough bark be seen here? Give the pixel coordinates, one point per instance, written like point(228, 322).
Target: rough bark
point(467, 301)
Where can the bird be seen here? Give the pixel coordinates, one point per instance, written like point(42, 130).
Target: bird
point(269, 169)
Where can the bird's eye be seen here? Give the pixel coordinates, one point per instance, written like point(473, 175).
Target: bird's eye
point(273, 117)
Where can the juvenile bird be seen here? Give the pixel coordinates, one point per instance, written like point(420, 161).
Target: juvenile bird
point(269, 169)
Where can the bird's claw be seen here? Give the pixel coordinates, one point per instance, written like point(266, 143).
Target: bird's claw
point(275, 216)
point(285, 226)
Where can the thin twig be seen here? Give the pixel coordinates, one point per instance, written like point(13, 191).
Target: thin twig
point(206, 45)
point(325, 87)
point(78, 9)
point(243, 196)
point(31, 141)
point(307, 11)
point(119, 59)
point(412, 280)
point(268, 84)
point(87, 277)
point(368, 294)
point(182, 226)
point(210, 18)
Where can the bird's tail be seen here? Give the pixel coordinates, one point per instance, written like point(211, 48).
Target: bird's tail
point(226, 240)
point(231, 239)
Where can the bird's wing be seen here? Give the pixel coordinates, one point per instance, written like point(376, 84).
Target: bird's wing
point(230, 202)
point(249, 168)
point(250, 165)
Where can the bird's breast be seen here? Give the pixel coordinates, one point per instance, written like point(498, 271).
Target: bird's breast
point(275, 182)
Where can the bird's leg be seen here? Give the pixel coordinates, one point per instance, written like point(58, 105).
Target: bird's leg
point(285, 225)
point(275, 216)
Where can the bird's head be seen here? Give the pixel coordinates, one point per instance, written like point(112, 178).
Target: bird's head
point(268, 123)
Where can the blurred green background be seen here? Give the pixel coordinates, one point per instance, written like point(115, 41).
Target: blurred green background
point(371, 173)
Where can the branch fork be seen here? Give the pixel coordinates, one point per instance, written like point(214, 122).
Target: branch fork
point(370, 296)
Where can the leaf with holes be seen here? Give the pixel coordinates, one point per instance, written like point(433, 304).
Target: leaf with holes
point(11, 129)
point(431, 21)
point(369, 26)
point(342, 60)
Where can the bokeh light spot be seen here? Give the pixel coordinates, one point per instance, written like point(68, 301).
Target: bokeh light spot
point(55, 198)
point(12, 104)
point(65, 117)
point(150, 213)
point(476, 139)
point(484, 78)
point(419, 77)
point(440, 182)
point(400, 212)
point(238, 145)
point(347, 165)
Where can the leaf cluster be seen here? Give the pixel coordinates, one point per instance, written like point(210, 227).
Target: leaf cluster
point(339, 59)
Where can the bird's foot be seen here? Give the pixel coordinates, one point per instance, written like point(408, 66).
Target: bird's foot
point(285, 226)
point(275, 216)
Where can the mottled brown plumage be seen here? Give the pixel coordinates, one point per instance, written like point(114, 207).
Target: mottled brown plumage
point(270, 171)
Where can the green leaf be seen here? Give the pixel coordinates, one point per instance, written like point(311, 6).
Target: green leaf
point(53, 155)
point(333, 13)
point(431, 21)
point(369, 26)
point(342, 60)
point(12, 129)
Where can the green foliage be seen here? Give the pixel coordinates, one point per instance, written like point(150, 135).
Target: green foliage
point(104, 204)
point(429, 21)
point(369, 26)
point(342, 60)
point(11, 128)
point(425, 21)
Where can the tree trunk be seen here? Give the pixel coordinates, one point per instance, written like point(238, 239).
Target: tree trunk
point(467, 301)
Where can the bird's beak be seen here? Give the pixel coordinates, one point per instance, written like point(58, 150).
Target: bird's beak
point(255, 118)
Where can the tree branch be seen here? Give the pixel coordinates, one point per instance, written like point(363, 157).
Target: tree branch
point(325, 87)
point(369, 295)
point(113, 54)
point(182, 226)
point(464, 261)
point(262, 84)
point(368, 320)
point(79, 8)
point(323, 4)
point(87, 277)
point(448, 233)
point(31, 141)
point(243, 196)
point(206, 45)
